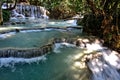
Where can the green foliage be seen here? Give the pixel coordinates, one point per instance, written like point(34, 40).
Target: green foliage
point(9, 1)
point(92, 23)
point(76, 5)
point(62, 11)
point(6, 15)
point(106, 25)
point(49, 4)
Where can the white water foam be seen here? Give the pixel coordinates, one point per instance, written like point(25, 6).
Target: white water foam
point(102, 70)
point(48, 29)
point(106, 66)
point(10, 62)
point(72, 22)
point(93, 47)
point(68, 44)
point(26, 31)
point(57, 46)
point(6, 35)
point(112, 58)
point(9, 34)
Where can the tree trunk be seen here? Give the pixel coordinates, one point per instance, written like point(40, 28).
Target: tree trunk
point(1, 17)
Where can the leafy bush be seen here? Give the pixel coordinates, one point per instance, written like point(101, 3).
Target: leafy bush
point(92, 24)
point(6, 15)
point(62, 11)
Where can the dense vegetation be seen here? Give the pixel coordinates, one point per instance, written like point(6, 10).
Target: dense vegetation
point(6, 15)
point(60, 9)
point(101, 17)
point(103, 21)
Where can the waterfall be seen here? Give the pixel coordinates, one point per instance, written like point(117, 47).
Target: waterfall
point(103, 63)
point(11, 61)
point(25, 53)
point(102, 69)
point(32, 11)
point(35, 52)
point(28, 11)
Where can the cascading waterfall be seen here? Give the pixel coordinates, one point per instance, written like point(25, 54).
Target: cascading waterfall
point(26, 53)
point(104, 64)
point(29, 53)
point(28, 11)
point(103, 69)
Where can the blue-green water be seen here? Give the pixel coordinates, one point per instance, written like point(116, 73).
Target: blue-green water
point(30, 23)
point(35, 39)
point(55, 67)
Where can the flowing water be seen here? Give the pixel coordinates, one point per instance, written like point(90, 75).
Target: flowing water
point(54, 66)
point(34, 38)
point(37, 23)
point(63, 63)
